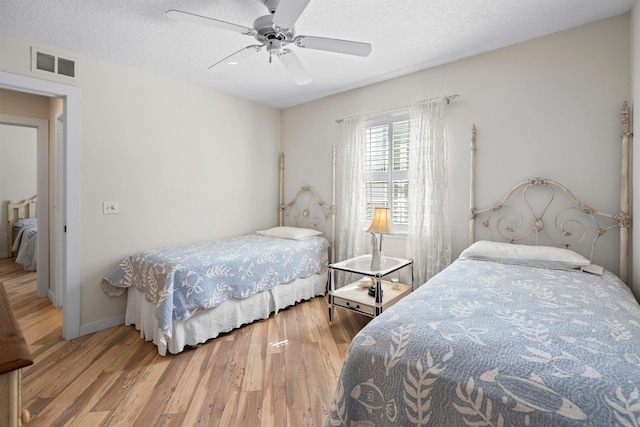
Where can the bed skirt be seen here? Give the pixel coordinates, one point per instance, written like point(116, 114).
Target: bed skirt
point(229, 315)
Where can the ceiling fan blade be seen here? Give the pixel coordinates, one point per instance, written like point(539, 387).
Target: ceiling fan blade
point(288, 12)
point(294, 67)
point(239, 56)
point(203, 20)
point(334, 45)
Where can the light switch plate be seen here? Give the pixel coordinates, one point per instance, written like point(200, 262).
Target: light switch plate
point(110, 208)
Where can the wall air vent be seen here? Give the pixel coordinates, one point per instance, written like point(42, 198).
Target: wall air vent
point(66, 67)
point(45, 62)
point(52, 64)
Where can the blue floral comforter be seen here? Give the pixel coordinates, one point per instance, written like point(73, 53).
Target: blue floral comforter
point(489, 344)
point(25, 245)
point(184, 279)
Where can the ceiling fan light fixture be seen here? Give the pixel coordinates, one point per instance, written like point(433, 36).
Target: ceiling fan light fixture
point(274, 46)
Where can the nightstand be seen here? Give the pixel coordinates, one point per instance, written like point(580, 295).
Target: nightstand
point(355, 296)
point(14, 356)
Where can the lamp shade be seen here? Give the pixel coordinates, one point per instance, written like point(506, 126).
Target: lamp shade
point(382, 222)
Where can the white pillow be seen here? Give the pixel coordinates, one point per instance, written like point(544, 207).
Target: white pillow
point(537, 256)
point(294, 233)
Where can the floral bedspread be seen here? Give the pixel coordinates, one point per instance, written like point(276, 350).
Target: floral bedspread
point(25, 245)
point(488, 344)
point(184, 279)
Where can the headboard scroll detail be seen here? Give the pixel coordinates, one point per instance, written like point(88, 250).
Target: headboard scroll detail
point(307, 210)
point(543, 211)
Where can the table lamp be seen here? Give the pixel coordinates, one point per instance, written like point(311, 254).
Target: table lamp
point(381, 224)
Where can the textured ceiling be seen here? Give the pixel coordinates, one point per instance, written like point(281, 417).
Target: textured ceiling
point(406, 35)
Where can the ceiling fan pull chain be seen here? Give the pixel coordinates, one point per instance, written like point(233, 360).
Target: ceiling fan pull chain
point(270, 46)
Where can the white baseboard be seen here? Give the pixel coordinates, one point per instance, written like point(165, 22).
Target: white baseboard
point(53, 299)
point(100, 325)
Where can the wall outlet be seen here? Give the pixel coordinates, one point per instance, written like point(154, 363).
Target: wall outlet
point(110, 208)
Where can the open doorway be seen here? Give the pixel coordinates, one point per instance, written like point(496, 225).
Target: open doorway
point(67, 264)
point(21, 182)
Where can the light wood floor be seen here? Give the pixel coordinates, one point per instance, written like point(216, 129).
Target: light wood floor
point(276, 372)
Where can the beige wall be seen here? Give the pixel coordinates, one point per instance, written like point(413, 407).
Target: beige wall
point(547, 107)
point(18, 171)
point(185, 164)
point(13, 187)
point(23, 104)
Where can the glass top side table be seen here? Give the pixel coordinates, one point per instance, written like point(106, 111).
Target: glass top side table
point(356, 297)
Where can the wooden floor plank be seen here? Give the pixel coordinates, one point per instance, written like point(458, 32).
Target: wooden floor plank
point(216, 392)
point(165, 389)
point(294, 360)
point(280, 371)
point(229, 411)
point(81, 408)
point(276, 336)
point(320, 392)
point(298, 405)
point(77, 394)
point(254, 372)
point(129, 413)
point(88, 419)
point(71, 368)
point(196, 412)
point(187, 384)
point(249, 408)
point(274, 402)
point(307, 322)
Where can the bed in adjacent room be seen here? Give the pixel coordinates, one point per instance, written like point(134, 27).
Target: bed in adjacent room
point(510, 333)
point(22, 233)
point(185, 295)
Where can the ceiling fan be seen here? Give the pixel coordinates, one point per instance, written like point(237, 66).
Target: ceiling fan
point(274, 32)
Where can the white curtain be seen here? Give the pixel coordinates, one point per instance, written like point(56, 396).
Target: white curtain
point(429, 234)
point(352, 208)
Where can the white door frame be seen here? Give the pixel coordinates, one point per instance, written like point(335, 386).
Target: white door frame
point(42, 210)
point(70, 271)
point(56, 253)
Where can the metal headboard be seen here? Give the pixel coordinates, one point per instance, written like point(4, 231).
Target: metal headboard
point(306, 209)
point(543, 211)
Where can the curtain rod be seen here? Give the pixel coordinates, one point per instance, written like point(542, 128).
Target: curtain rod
point(449, 98)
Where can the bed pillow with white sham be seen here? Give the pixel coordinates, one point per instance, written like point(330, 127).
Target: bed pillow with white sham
point(294, 233)
point(27, 222)
point(536, 256)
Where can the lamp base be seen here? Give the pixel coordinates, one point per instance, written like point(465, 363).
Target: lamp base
point(372, 291)
point(375, 252)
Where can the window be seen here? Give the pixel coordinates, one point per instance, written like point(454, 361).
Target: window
point(387, 166)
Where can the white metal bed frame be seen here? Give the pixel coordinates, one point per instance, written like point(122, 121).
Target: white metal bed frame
point(568, 224)
point(17, 212)
point(306, 209)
